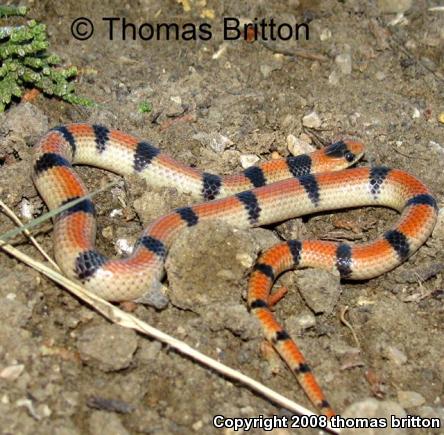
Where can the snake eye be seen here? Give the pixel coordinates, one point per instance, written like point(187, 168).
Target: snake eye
point(349, 156)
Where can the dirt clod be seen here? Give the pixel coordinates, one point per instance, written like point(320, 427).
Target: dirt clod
point(319, 289)
point(108, 347)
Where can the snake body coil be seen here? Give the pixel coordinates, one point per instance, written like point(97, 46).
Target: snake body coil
point(272, 192)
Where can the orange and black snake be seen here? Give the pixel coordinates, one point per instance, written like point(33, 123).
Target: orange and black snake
point(270, 192)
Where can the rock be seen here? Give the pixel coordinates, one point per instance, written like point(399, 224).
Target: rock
point(319, 288)
point(27, 209)
point(395, 355)
point(301, 322)
point(247, 160)
point(297, 146)
point(416, 113)
point(410, 399)
point(198, 426)
point(215, 258)
point(110, 347)
point(215, 141)
point(311, 120)
point(325, 34)
point(394, 6)
point(344, 63)
point(211, 257)
point(380, 76)
point(12, 372)
point(372, 408)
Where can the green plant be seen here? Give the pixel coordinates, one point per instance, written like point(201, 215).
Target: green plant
point(25, 63)
point(145, 107)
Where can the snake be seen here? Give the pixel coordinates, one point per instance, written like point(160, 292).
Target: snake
point(267, 193)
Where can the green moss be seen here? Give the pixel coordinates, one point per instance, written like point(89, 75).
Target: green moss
point(26, 63)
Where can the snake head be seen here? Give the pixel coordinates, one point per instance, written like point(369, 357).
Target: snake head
point(338, 155)
point(348, 150)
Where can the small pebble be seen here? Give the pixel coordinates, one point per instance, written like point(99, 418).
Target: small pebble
point(108, 232)
point(11, 373)
point(411, 45)
point(437, 147)
point(123, 247)
point(311, 120)
point(247, 160)
point(380, 75)
point(44, 410)
point(215, 141)
point(395, 355)
point(306, 320)
point(354, 118)
point(344, 62)
point(116, 212)
point(266, 70)
point(176, 99)
point(325, 34)
point(245, 259)
point(297, 146)
point(410, 399)
point(416, 113)
point(26, 209)
point(197, 426)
